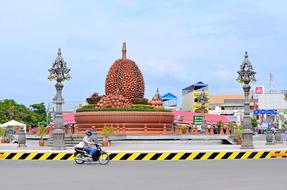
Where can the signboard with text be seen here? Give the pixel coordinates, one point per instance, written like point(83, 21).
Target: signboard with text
point(268, 112)
point(198, 120)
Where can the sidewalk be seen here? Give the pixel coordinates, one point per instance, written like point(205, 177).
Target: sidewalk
point(175, 146)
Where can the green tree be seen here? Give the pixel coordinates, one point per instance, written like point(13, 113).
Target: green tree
point(10, 109)
point(39, 109)
point(39, 112)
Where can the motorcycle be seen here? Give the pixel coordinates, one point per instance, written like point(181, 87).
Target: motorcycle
point(81, 156)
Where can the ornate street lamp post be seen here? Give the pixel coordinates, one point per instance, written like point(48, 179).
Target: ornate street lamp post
point(59, 72)
point(246, 75)
point(203, 100)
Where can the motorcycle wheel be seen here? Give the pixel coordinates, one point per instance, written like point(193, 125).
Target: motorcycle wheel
point(104, 159)
point(79, 159)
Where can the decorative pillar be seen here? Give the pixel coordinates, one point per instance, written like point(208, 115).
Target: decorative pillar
point(193, 130)
point(164, 129)
point(124, 129)
point(221, 132)
point(76, 130)
point(206, 130)
point(118, 130)
point(30, 130)
point(17, 129)
point(211, 130)
point(70, 131)
point(59, 72)
point(145, 128)
point(246, 75)
point(228, 131)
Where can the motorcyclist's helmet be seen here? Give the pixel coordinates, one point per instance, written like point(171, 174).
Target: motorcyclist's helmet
point(88, 133)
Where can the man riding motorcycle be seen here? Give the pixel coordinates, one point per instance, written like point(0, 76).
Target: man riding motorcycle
point(89, 146)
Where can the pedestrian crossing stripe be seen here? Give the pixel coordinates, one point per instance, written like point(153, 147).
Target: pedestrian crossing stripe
point(209, 155)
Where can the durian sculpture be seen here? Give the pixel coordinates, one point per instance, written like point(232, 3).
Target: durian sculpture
point(125, 78)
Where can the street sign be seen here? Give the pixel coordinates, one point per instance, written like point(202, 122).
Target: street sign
point(285, 111)
point(198, 120)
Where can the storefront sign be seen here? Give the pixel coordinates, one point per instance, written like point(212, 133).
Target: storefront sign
point(268, 112)
point(259, 90)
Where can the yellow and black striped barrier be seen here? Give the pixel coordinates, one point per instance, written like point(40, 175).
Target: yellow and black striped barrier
point(237, 155)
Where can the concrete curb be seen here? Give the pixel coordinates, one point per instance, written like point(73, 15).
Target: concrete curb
point(148, 155)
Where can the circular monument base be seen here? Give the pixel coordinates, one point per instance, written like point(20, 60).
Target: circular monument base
point(126, 122)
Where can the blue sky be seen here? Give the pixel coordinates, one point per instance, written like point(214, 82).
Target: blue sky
point(175, 43)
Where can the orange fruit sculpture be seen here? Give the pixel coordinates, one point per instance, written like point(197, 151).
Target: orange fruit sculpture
point(125, 78)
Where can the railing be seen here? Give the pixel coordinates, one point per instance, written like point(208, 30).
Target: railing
point(123, 130)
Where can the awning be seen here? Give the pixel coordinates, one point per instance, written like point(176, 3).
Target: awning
point(69, 118)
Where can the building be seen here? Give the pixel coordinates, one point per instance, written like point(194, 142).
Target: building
point(230, 105)
point(273, 100)
point(272, 108)
point(268, 107)
point(169, 100)
point(190, 96)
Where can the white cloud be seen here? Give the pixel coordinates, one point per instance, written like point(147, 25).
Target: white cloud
point(166, 69)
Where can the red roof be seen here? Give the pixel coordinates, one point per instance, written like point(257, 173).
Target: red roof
point(188, 117)
point(69, 118)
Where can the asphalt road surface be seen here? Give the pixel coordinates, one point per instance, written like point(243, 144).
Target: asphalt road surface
point(139, 175)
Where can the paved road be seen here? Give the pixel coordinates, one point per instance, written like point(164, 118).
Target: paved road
point(139, 175)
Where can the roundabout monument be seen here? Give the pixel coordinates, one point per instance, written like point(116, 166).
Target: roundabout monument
point(124, 107)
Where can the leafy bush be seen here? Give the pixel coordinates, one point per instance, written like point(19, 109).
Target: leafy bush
point(2, 132)
point(184, 128)
point(121, 109)
point(139, 101)
point(108, 131)
point(238, 131)
point(231, 125)
point(41, 131)
point(141, 106)
point(254, 123)
point(219, 124)
point(88, 106)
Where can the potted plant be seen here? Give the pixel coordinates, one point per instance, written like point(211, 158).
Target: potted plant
point(107, 131)
point(3, 135)
point(230, 126)
point(238, 134)
point(184, 129)
point(41, 131)
point(218, 126)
